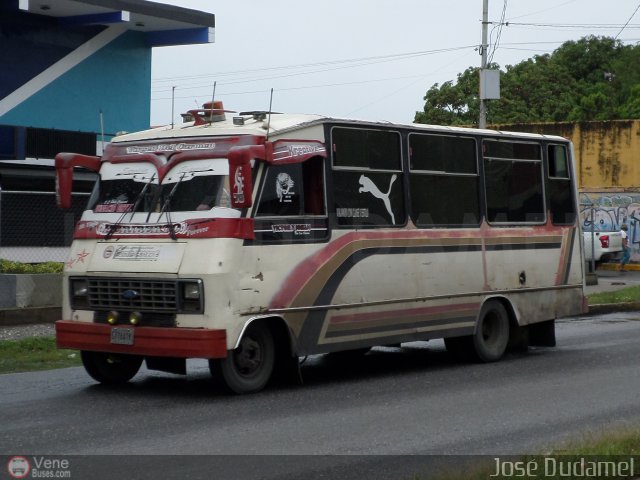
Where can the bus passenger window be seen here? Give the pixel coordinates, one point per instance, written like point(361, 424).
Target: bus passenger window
point(561, 204)
point(444, 180)
point(363, 148)
point(367, 177)
point(368, 198)
point(513, 182)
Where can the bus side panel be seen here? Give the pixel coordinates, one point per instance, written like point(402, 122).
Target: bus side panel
point(376, 287)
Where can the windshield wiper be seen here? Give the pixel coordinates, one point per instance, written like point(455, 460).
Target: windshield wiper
point(141, 195)
point(165, 205)
point(114, 226)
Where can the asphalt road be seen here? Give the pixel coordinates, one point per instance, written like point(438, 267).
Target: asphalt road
point(386, 412)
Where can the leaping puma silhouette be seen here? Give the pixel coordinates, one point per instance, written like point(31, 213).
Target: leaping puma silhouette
point(367, 186)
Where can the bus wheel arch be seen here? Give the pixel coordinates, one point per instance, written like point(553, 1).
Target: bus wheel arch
point(264, 350)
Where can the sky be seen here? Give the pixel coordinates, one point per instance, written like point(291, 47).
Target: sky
point(363, 59)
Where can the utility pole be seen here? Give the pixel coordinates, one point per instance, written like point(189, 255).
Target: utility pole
point(482, 121)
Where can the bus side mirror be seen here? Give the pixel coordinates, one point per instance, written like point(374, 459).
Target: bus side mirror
point(240, 176)
point(64, 174)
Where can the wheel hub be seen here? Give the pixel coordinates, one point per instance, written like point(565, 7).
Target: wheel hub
point(248, 357)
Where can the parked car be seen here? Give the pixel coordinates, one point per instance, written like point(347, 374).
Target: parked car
point(607, 245)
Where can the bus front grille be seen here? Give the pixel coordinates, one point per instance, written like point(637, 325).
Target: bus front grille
point(132, 294)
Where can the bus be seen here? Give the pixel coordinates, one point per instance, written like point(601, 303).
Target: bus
point(254, 239)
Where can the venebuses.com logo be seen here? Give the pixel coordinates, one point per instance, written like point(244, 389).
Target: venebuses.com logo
point(38, 467)
point(18, 467)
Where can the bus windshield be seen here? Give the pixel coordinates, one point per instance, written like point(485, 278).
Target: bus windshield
point(191, 187)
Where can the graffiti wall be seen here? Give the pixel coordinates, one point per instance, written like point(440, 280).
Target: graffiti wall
point(606, 152)
point(607, 169)
point(608, 211)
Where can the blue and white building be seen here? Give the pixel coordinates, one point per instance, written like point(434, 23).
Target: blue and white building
point(73, 73)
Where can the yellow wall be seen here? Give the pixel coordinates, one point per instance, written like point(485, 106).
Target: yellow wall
point(607, 153)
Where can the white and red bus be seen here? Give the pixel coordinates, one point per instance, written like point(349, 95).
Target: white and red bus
point(254, 240)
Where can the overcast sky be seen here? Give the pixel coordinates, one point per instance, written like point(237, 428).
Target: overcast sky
point(368, 59)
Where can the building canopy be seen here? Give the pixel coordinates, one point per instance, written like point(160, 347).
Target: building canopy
point(164, 25)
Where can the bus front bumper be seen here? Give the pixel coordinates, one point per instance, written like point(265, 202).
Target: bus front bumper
point(147, 341)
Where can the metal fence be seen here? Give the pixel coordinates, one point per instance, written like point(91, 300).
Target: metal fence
point(33, 229)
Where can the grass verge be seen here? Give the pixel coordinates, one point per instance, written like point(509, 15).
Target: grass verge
point(609, 455)
point(629, 294)
point(36, 353)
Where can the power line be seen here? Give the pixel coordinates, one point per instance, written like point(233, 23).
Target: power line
point(341, 84)
point(340, 64)
point(625, 25)
point(387, 58)
point(607, 26)
point(390, 57)
point(546, 9)
point(499, 26)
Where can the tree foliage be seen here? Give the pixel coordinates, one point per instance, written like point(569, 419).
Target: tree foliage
point(594, 78)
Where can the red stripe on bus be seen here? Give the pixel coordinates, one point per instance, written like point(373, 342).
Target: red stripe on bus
point(412, 312)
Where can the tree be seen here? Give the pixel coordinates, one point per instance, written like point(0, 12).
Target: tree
point(594, 78)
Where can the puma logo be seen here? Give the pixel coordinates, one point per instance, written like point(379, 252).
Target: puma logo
point(367, 186)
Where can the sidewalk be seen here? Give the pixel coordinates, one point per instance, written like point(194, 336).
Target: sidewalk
point(610, 279)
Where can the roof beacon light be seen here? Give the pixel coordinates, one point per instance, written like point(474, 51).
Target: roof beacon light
point(210, 112)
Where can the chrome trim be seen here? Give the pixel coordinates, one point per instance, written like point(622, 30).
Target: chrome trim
point(249, 322)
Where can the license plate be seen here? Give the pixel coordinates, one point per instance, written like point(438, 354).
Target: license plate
point(122, 336)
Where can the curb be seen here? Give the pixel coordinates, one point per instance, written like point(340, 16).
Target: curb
point(614, 267)
point(603, 308)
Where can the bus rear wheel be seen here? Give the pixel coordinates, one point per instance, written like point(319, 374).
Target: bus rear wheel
point(111, 368)
point(492, 332)
point(490, 340)
point(248, 368)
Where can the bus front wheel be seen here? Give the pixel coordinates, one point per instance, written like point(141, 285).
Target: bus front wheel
point(248, 368)
point(492, 332)
point(111, 368)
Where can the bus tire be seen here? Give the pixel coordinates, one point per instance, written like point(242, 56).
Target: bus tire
point(248, 368)
point(111, 368)
point(492, 332)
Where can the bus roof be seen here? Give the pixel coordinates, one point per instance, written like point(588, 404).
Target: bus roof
point(256, 123)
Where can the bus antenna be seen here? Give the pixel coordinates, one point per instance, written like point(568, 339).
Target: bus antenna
point(102, 130)
point(173, 104)
point(213, 97)
point(269, 118)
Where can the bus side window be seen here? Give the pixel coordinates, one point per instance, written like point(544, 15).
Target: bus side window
point(561, 204)
point(281, 192)
point(313, 177)
point(367, 177)
point(293, 190)
point(513, 182)
point(444, 180)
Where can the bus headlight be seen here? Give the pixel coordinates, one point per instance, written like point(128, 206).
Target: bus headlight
point(191, 296)
point(79, 293)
